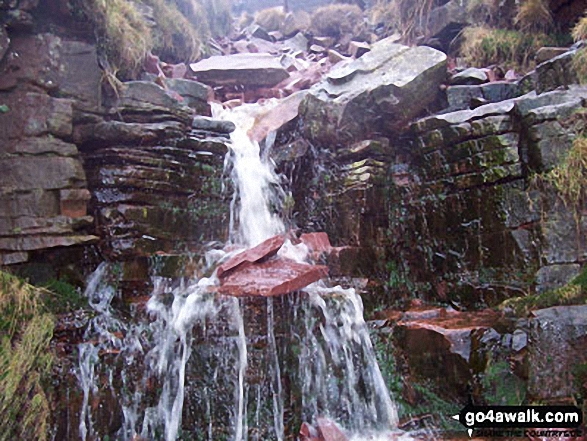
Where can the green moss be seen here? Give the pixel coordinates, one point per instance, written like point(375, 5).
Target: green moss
point(337, 19)
point(574, 293)
point(483, 46)
point(501, 387)
point(62, 297)
point(175, 38)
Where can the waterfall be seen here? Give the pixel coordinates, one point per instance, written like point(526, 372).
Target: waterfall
point(207, 366)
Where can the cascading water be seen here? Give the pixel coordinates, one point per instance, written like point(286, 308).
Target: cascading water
point(215, 367)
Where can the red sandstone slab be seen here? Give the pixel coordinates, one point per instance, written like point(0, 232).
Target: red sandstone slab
point(265, 249)
point(271, 278)
point(316, 242)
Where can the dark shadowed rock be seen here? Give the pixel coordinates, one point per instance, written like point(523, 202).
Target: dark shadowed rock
point(259, 70)
point(271, 278)
point(213, 125)
point(265, 249)
point(4, 42)
point(379, 92)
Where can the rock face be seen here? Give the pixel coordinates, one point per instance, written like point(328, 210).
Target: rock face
point(474, 218)
point(394, 82)
point(252, 70)
point(44, 190)
point(156, 182)
point(559, 347)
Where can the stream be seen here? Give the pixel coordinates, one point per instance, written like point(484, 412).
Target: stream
point(194, 364)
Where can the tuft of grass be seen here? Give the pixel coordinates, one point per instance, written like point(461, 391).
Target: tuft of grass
point(384, 15)
point(580, 64)
point(124, 34)
point(579, 31)
point(483, 46)
point(219, 16)
point(337, 19)
point(175, 38)
point(574, 293)
point(25, 360)
point(271, 19)
point(534, 16)
point(569, 178)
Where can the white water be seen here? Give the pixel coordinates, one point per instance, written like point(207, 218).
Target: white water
point(337, 369)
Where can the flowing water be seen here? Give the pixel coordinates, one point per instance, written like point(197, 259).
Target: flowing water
point(205, 366)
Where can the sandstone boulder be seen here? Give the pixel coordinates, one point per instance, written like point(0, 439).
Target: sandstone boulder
point(251, 70)
point(377, 93)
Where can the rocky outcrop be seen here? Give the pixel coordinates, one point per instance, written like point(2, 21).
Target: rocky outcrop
point(486, 356)
point(394, 82)
point(155, 180)
point(468, 202)
point(47, 82)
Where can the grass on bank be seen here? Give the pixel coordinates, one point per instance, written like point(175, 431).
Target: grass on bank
point(175, 30)
point(579, 33)
point(25, 360)
point(483, 46)
point(27, 321)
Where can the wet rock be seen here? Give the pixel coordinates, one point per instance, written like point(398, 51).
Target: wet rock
point(276, 117)
point(258, 32)
point(329, 430)
point(264, 250)
point(74, 203)
point(196, 95)
point(213, 125)
point(558, 343)
point(325, 42)
point(440, 346)
point(548, 53)
point(116, 132)
point(553, 276)
point(470, 76)
point(358, 48)
point(271, 278)
point(147, 102)
point(556, 72)
point(316, 242)
point(174, 71)
point(40, 146)
point(35, 114)
point(317, 49)
point(378, 92)
point(336, 57)
point(20, 173)
point(297, 43)
point(444, 22)
point(250, 70)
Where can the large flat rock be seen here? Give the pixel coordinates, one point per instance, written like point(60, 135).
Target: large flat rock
point(377, 93)
point(252, 70)
point(271, 278)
